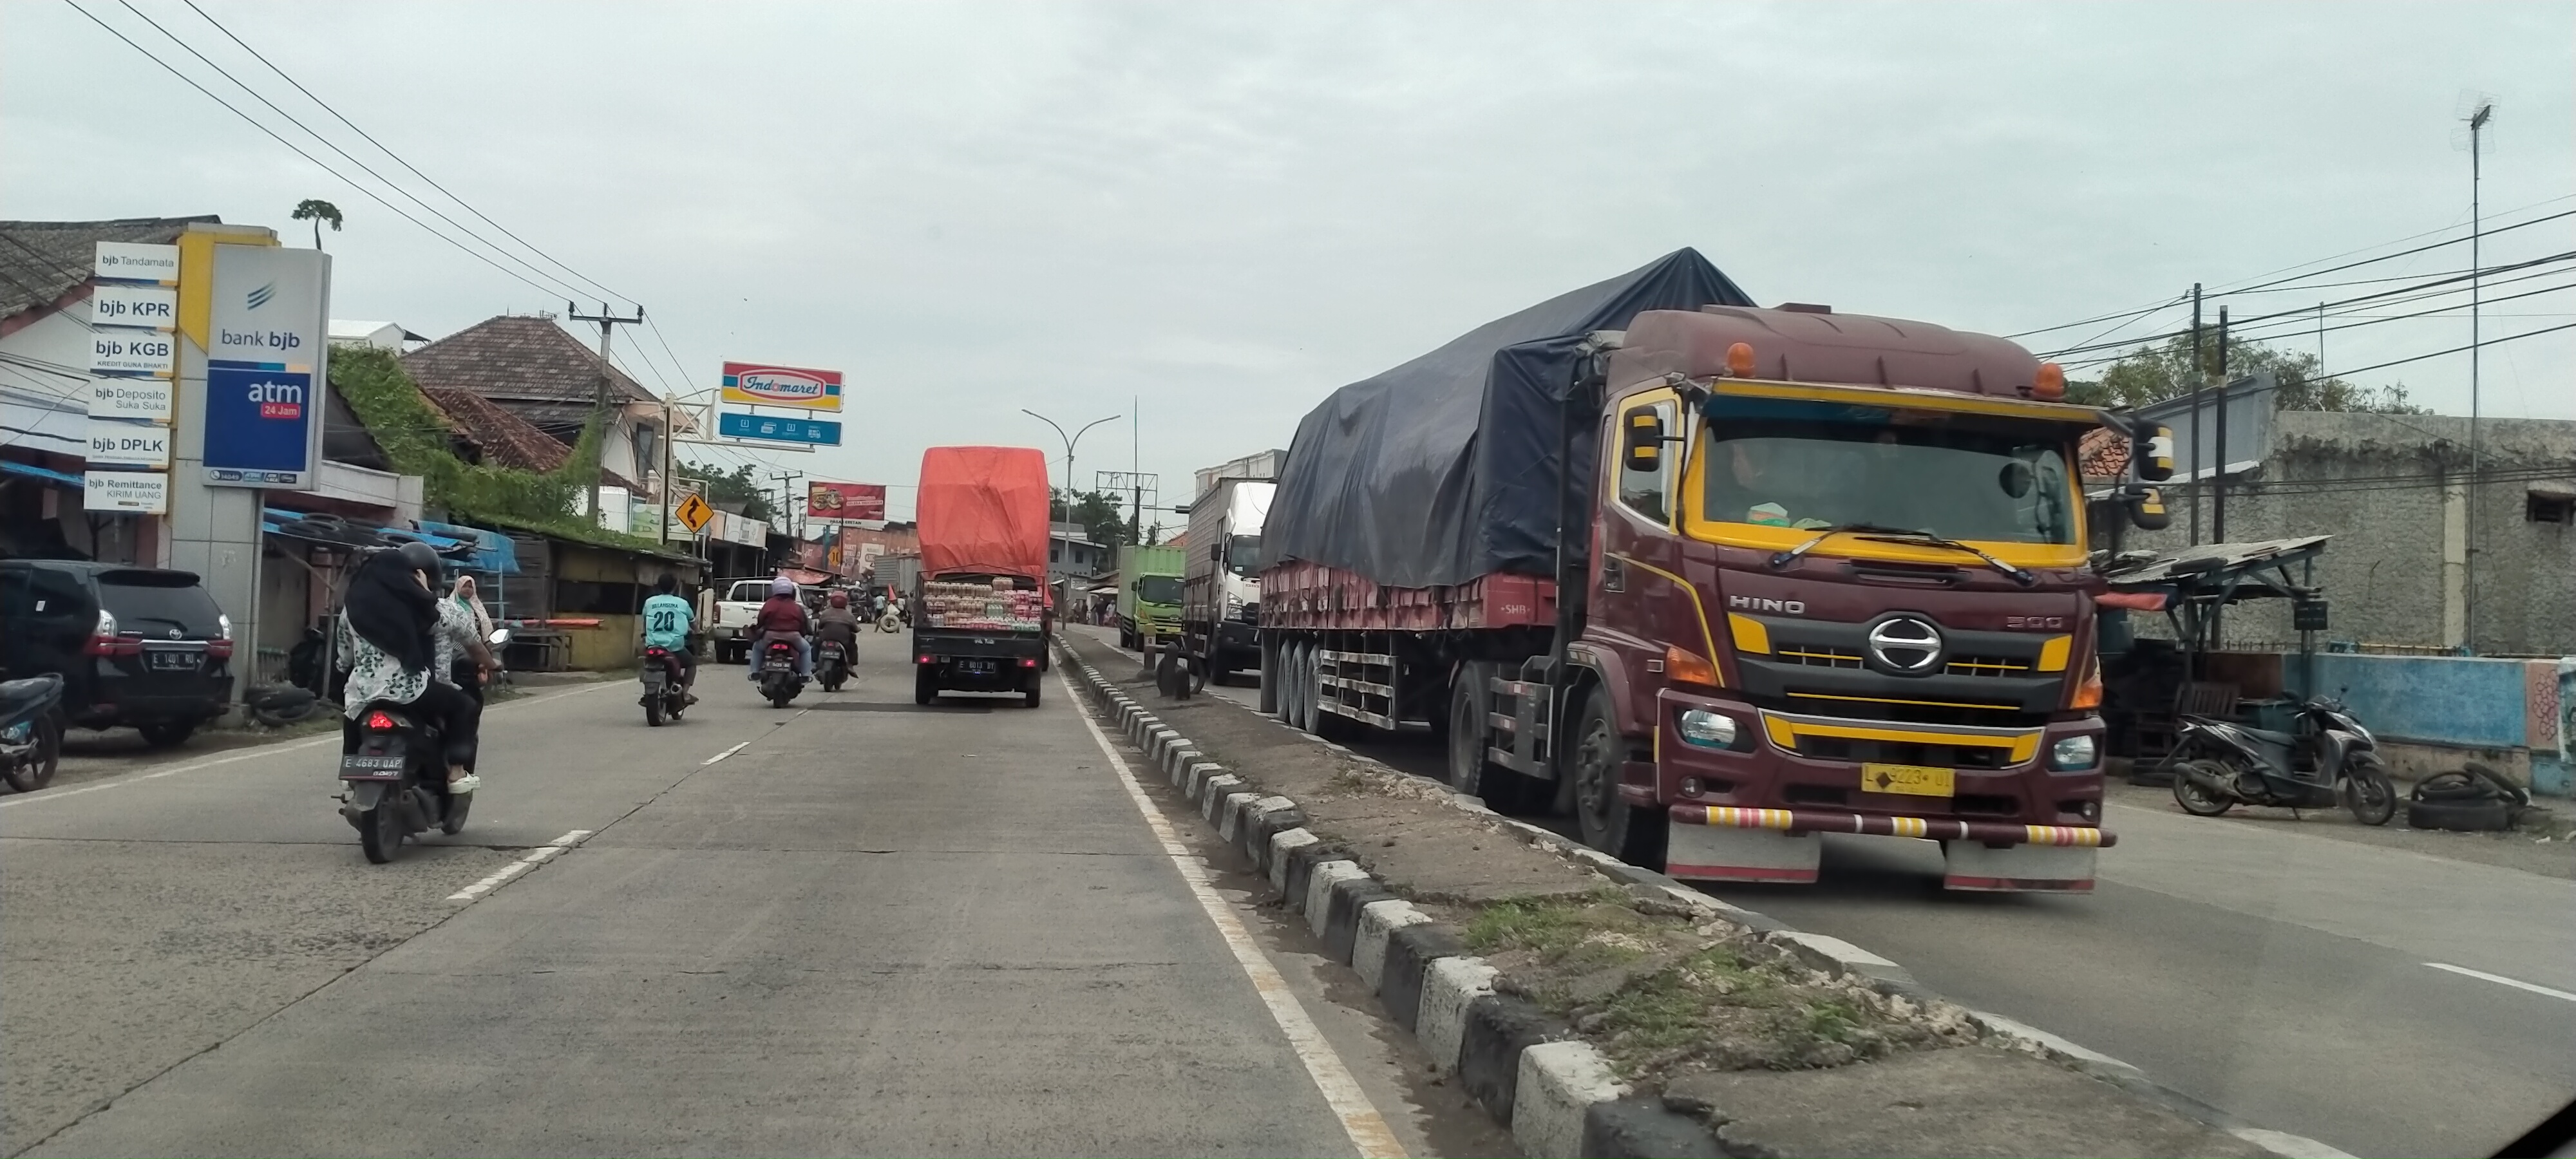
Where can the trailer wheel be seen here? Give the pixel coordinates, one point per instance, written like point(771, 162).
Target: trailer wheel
point(1503, 790)
point(1293, 707)
point(1608, 822)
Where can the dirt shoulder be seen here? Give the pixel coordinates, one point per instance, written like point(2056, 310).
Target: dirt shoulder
point(1720, 1022)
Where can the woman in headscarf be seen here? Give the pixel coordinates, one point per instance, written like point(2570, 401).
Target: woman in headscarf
point(478, 622)
point(394, 637)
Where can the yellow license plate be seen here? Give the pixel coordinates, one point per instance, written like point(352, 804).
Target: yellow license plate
point(1913, 780)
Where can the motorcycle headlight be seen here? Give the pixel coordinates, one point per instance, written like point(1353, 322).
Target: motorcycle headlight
point(2073, 754)
point(1707, 729)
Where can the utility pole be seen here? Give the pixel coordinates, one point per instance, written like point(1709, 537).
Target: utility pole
point(2484, 113)
point(608, 323)
point(2218, 482)
point(788, 510)
point(2199, 378)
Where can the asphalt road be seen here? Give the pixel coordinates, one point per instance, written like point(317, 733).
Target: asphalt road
point(2286, 977)
point(852, 926)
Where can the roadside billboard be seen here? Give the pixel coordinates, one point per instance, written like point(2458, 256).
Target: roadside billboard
point(264, 366)
point(760, 384)
point(845, 500)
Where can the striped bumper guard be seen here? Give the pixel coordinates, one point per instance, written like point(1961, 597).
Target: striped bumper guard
point(1945, 829)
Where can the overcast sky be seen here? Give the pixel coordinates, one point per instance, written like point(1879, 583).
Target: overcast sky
point(1210, 216)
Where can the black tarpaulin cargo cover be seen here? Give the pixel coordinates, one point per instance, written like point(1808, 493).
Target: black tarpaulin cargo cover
point(1444, 469)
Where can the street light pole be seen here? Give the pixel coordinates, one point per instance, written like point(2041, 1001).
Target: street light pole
point(1069, 441)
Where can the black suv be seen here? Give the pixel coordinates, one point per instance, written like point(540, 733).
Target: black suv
point(135, 645)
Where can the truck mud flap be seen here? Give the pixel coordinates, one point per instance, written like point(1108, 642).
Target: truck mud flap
point(1701, 852)
point(1976, 866)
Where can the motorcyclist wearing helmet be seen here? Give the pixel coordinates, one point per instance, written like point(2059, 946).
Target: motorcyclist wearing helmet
point(782, 617)
point(398, 641)
point(838, 622)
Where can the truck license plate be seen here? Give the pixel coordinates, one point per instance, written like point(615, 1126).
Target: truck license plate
point(978, 667)
point(1912, 780)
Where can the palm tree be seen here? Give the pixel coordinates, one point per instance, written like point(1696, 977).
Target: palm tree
point(317, 211)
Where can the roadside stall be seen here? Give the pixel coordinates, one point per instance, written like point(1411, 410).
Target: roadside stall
point(2149, 682)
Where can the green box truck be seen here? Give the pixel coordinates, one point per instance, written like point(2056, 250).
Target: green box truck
point(1149, 593)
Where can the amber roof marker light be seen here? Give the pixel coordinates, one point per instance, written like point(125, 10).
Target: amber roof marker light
point(2051, 383)
point(1739, 360)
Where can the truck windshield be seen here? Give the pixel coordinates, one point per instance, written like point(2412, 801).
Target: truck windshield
point(1160, 589)
point(1962, 483)
point(1243, 554)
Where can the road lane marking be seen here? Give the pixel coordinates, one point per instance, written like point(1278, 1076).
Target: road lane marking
point(119, 781)
point(534, 858)
point(2501, 980)
point(722, 755)
point(1360, 1121)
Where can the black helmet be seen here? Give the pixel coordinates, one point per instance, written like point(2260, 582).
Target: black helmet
point(422, 557)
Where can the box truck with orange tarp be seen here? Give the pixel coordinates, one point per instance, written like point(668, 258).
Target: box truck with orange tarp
point(980, 617)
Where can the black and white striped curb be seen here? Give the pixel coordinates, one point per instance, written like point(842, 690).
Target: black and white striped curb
point(1556, 1094)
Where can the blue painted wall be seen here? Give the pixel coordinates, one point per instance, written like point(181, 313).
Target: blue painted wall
point(2440, 699)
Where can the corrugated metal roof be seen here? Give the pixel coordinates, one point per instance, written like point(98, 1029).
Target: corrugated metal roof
point(40, 261)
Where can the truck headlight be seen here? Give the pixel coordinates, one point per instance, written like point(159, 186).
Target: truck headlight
point(2073, 754)
point(1707, 729)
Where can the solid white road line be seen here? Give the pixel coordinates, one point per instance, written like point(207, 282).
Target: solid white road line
point(534, 858)
point(722, 755)
point(1368, 1132)
point(246, 754)
point(2501, 980)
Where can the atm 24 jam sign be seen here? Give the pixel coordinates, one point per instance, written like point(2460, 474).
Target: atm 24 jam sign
point(760, 384)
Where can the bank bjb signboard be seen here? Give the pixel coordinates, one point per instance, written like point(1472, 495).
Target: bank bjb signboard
point(760, 384)
point(264, 366)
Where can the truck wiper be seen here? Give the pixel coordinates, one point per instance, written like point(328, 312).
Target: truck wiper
point(1898, 535)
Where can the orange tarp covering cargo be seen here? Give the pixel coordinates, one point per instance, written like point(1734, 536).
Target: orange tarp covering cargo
point(983, 509)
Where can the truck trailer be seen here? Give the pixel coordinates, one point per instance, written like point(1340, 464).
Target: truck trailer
point(1221, 589)
point(980, 619)
point(1829, 576)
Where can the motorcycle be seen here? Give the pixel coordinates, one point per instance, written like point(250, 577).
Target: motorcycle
point(831, 664)
point(31, 731)
point(779, 682)
point(665, 693)
point(2327, 759)
point(396, 779)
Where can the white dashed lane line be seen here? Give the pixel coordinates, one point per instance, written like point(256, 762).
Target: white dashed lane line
point(534, 858)
point(722, 755)
point(2501, 980)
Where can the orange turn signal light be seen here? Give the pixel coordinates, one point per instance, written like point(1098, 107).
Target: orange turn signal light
point(2051, 383)
point(1739, 360)
point(2089, 693)
point(1683, 667)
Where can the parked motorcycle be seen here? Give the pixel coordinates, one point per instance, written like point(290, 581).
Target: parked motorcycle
point(779, 682)
point(31, 731)
point(396, 780)
point(665, 693)
point(2327, 759)
point(831, 664)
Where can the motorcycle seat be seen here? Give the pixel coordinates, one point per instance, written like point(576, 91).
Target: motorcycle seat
point(2267, 736)
point(17, 696)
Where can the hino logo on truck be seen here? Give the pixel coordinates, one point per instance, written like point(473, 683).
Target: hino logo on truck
point(1906, 644)
point(1751, 604)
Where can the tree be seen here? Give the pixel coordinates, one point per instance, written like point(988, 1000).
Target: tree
point(1102, 514)
point(740, 485)
point(317, 211)
point(2152, 374)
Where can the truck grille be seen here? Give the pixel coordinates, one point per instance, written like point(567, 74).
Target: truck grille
point(1820, 657)
point(1249, 613)
point(1986, 666)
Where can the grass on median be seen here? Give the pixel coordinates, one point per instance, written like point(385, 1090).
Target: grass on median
point(1662, 996)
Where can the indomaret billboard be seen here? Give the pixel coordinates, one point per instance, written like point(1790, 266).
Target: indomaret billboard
point(760, 384)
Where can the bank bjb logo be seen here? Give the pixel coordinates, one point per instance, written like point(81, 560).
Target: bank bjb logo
point(278, 400)
point(259, 297)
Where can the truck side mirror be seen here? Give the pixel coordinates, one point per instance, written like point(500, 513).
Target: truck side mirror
point(2147, 509)
point(1645, 440)
point(2154, 455)
point(1216, 551)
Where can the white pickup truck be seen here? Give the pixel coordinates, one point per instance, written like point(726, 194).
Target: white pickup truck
point(728, 609)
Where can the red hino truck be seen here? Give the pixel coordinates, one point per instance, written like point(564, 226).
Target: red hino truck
point(1822, 573)
point(980, 619)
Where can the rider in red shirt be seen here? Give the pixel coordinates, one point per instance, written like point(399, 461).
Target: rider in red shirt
point(782, 617)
